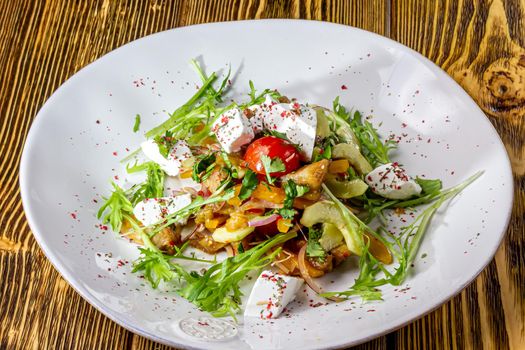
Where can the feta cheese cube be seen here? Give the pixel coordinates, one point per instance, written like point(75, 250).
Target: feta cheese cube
point(298, 122)
point(233, 130)
point(152, 210)
point(172, 165)
point(391, 181)
point(270, 294)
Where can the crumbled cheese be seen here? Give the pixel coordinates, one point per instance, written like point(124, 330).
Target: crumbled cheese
point(270, 294)
point(172, 165)
point(233, 130)
point(152, 210)
point(297, 121)
point(391, 181)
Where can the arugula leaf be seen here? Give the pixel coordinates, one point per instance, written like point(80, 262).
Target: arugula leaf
point(154, 266)
point(429, 186)
point(313, 247)
point(258, 99)
point(272, 166)
point(371, 146)
point(217, 289)
point(204, 163)
point(375, 205)
point(187, 111)
point(291, 191)
point(119, 207)
point(249, 183)
point(404, 247)
point(136, 126)
point(153, 187)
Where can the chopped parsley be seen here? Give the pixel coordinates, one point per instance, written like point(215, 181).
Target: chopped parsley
point(292, 191)
point(313, 247)
point(272, 166)
point(249, 183)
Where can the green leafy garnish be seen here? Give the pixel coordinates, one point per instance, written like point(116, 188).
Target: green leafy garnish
point(313, 247)
point(204, 163)
point(165, 143)
point(136, 126)
point(153, 187)
point(156, 266)
point(375, 205)
point(403, 246)
point(292, 191)
point(119, 208)
point(216, 290)
point(371, 146)
point(249, 183)
point(429, 186)
point(272, 166)
point(234, 173)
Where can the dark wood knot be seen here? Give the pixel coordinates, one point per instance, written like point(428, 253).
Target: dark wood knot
point(504, 83)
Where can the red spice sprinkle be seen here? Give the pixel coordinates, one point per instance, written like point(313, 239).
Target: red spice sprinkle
point(404, 125)
point(115, 154)
point(73, 215)
point(343, 87)
point(115, 177)
point(98, 121)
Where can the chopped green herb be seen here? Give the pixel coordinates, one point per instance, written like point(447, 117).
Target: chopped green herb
point(165, 143)
point(204, 163)
point(314, 248)
point(272, 166)
point(136, 126)
point(292, 191)
point(240, 248)
point(249, 183)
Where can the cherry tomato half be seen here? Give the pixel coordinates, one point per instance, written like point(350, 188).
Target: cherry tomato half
point(272, 147)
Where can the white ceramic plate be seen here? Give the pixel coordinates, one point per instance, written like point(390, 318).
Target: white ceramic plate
point(77, 139)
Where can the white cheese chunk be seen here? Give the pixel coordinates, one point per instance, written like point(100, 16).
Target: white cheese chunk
point(233, 130)
point(152, 210)
point(298, 122)
point(270, 294)
point(391, 181)
point(172, 165)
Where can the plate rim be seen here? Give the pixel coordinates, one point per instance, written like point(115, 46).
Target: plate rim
point(114, 316)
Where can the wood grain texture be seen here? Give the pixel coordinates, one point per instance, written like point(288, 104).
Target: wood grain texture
point(479, 43)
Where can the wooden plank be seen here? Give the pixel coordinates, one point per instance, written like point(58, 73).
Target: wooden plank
point(481, 45)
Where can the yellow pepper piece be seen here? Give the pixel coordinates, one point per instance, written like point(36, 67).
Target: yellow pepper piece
point(339, 166)
point(283, 225)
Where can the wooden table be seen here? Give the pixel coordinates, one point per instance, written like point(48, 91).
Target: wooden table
point(479, 43)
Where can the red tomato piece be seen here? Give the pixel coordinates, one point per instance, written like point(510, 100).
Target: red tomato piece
point(272, 147)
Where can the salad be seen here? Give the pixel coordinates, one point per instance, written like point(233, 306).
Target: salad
point(287, 188)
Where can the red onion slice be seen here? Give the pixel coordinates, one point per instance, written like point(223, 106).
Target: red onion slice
point(263, 220)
